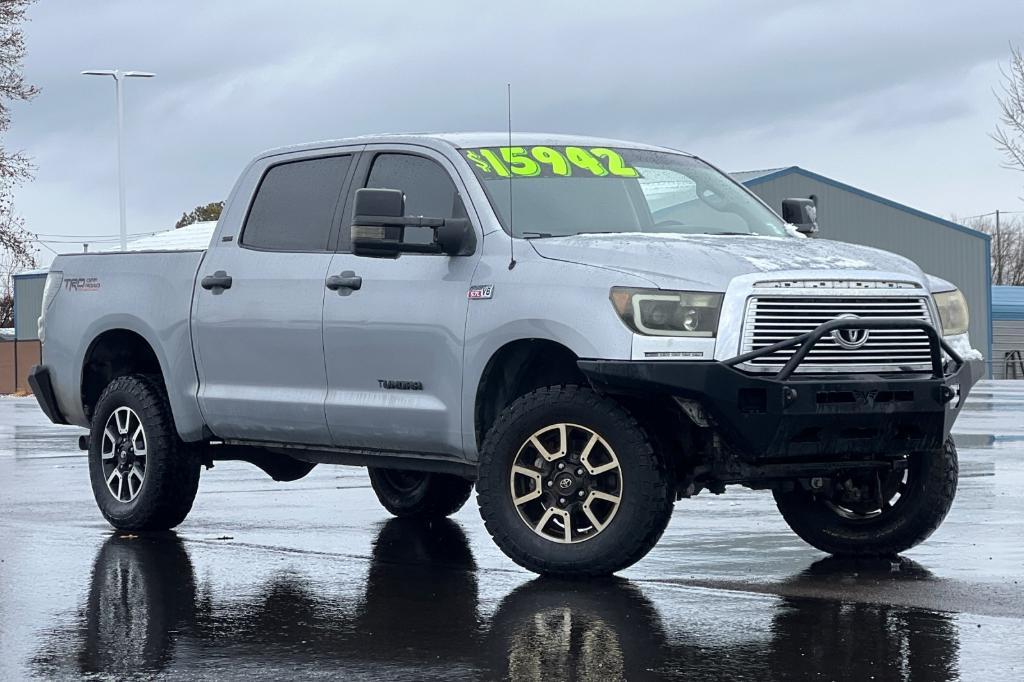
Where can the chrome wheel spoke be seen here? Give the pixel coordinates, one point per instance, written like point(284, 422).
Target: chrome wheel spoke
point(121, 417)
point(538, 485)
point(123, 454)
point(593, 519)
point(135, 475)
point(138, 442)
point(109, 439)
point(598, 495)
point(566, 483)
point(563, 443)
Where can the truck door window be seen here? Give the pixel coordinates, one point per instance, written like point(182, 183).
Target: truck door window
point(429, 190)
point(294, 205)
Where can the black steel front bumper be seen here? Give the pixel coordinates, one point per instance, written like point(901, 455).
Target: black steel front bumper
point(42, 389)
point(788, 415)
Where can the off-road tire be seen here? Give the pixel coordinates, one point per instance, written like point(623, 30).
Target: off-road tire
point(417, 494)
point(646, 499)
point(932, 486)
point(172, 466)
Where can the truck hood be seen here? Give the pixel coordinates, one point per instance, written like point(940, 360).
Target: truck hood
point(709, 262)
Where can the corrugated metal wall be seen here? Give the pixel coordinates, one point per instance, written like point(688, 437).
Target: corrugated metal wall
point(1007, 336)
point(850, 215)
point(1007, 332)
point(28, 303)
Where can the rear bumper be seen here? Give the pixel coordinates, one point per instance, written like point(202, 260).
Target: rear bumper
point(793, 416)
point(39, 380)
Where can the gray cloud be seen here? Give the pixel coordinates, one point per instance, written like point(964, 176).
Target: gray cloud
point(863, 91)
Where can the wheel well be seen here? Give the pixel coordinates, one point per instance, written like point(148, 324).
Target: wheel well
point(113, 354)
point(518, 368)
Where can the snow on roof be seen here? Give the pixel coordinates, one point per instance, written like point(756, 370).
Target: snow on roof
point(32, 273)
point(746, 176)
point(195, 237)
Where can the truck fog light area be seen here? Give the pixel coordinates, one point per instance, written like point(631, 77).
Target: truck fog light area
point(654, 312)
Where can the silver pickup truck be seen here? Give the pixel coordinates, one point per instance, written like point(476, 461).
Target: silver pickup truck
point(587, 329)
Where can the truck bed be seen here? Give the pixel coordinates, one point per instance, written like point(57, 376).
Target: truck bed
point(148, 293)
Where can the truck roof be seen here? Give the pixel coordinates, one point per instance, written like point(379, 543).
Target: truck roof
point(471, 139)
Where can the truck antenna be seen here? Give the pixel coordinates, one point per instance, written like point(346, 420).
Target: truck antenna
point(511, 229)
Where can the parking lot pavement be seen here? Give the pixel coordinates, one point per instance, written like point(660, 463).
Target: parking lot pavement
point(313, 578)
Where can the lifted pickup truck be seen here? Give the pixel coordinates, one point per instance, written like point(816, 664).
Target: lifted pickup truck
point(587, 329)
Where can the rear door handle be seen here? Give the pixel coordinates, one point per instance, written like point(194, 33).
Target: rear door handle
point(218, 280)
point(346, 280)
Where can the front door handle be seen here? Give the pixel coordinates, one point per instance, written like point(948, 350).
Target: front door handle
point(218, 280)
point(346, 280)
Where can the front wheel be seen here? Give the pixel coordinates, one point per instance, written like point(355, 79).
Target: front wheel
point(876, 514)
point(570, 484)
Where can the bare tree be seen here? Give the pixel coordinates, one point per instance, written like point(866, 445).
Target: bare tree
point(1007, 247)
point(1009, 136)
point(15, 242)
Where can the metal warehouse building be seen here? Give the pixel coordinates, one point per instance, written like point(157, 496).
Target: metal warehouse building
point(941, 247)
point(1008, 332)
point(20, 349)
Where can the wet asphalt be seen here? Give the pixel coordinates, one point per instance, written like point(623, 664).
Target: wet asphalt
point(314, 579)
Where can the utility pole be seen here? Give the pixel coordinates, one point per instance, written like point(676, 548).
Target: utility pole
point(999, 251)
point(118, 76)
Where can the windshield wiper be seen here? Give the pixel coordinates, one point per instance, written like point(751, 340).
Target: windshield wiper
point(536, 235)
point(729, 234)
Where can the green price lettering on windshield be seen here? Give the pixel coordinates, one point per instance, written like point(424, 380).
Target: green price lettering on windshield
point(541, 161)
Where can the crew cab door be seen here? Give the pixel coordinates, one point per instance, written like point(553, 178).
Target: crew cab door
point(257, 322)
point(394, 345)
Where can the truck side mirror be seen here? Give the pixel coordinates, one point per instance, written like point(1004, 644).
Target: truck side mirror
point(802, 213)
point(378, 229)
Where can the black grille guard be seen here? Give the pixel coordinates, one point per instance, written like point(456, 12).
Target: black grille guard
point(806, 341)
point(814, 416)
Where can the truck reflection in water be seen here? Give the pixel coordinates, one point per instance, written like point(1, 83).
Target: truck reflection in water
point(420, 617)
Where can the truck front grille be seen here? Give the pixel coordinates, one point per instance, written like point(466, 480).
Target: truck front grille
point(770, 319)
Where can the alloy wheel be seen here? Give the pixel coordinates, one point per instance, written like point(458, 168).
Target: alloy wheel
point(123, 454)
point(566, 483)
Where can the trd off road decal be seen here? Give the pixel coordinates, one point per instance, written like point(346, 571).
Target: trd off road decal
point(553, 162)
point(82, 284)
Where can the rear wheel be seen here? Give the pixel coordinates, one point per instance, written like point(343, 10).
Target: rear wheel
point(570, 484)
point(143, 476)
point(418, 493)
point(876, 514)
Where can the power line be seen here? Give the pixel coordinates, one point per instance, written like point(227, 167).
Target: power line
point(986, 215)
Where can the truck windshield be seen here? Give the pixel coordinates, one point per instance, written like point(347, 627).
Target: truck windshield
point(564, 190)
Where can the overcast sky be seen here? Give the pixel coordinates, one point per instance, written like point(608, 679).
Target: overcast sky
point(893, 97)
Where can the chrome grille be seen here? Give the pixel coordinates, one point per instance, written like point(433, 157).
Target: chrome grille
point(770, 319)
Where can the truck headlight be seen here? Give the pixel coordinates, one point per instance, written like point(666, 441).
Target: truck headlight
point(655, 312)
point(952, 312)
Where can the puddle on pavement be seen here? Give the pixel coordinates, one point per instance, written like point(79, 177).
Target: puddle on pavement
point(149, 610)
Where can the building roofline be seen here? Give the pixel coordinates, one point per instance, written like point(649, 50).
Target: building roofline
point(867, 195)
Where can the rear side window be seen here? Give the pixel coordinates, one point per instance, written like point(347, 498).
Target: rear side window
point(294, 205)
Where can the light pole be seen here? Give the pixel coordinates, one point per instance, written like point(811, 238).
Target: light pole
point(118, 76)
